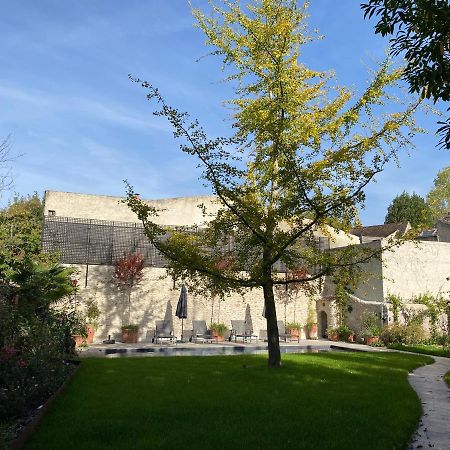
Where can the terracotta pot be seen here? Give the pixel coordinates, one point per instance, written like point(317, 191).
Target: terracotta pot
point(129, 337)
point(312, 331)
point(295, 333)
point(79, 340)
point(217, 337)
point(351, 338)
point(369, 340)
point(90, 334)
point(333, 336)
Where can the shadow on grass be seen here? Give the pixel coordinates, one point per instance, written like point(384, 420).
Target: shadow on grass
point(324, 401)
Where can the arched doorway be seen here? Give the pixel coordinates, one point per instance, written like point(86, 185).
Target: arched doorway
point(323, 324)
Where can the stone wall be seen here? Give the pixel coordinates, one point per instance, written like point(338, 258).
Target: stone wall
point(181, 211)
point(149, 303)
point(417, 268)
point(443, 229)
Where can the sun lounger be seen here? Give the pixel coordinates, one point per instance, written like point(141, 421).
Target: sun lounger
point(201, 333)
point(238, 331)
point(164, 331)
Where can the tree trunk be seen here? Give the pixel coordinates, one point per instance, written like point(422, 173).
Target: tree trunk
point(272, 328)
point(129, 306)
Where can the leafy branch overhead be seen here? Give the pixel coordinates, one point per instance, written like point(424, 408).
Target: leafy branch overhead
point(295, 167)
point(421, 32)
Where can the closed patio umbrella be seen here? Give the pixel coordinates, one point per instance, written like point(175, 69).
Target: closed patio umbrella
point(181, 311)
point(248, 321)
point(168, 316)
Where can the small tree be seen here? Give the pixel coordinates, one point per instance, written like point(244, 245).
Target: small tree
point(128, 273)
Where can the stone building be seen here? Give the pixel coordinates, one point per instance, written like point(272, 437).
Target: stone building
point(91, 232)
point(407, 271)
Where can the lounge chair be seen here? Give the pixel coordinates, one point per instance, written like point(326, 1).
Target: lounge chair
point(200, 332)
point(164, 331)
point(239, 331)
point(263, 335)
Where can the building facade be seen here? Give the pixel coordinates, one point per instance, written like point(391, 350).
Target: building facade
point(91, 232)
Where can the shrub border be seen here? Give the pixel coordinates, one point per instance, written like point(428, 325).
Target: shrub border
point(18, 443)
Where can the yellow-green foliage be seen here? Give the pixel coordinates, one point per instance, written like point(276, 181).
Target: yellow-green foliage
point(300, 157)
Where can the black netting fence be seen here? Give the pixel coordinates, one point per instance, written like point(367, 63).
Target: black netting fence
point(92, 241)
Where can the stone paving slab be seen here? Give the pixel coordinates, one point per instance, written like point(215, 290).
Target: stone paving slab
point(434, 426)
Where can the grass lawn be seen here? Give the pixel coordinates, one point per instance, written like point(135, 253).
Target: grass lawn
point(447, 378)
point(435, 350)
point(322, 401)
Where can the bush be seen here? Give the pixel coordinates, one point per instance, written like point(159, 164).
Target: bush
point(33, 358)
point(403, 334)
point(293, 326)
point(344, 332)
point(219, 328)
point(443, 339)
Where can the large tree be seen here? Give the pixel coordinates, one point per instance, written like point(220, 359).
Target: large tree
point(409, 208)
point(298, 161)
point(421, 30)
point(439, 197)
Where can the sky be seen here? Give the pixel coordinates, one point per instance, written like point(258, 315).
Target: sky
point(78, 124)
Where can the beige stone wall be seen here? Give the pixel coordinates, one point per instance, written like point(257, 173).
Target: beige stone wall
point(149, 302)
point(181, 211)
point(417, 268)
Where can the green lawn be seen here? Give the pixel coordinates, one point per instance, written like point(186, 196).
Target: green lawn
point(322, 401)
point(447, 378)
point(435, 350)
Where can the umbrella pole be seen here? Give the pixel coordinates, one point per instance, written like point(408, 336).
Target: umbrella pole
point(182, 328)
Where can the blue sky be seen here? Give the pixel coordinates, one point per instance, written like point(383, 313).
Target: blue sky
point(80, 125)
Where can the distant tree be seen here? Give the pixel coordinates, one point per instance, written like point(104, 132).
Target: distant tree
point(300, 156)
point(409, 208)
point(128, 273)
point(20, 234)
point(438, 198)
point(422, 33)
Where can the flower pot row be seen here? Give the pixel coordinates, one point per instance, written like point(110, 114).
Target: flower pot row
point(333, 335)
point(309, 331)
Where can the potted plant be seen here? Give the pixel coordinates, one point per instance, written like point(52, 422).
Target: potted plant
point(311, 322)
point(128, 273)
point(345, 333)
point(370, 328)
point(79, 332)
point(92, 315)
point(218, 331)
point(294, 329)
point(130, 333)
point(333, 334)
